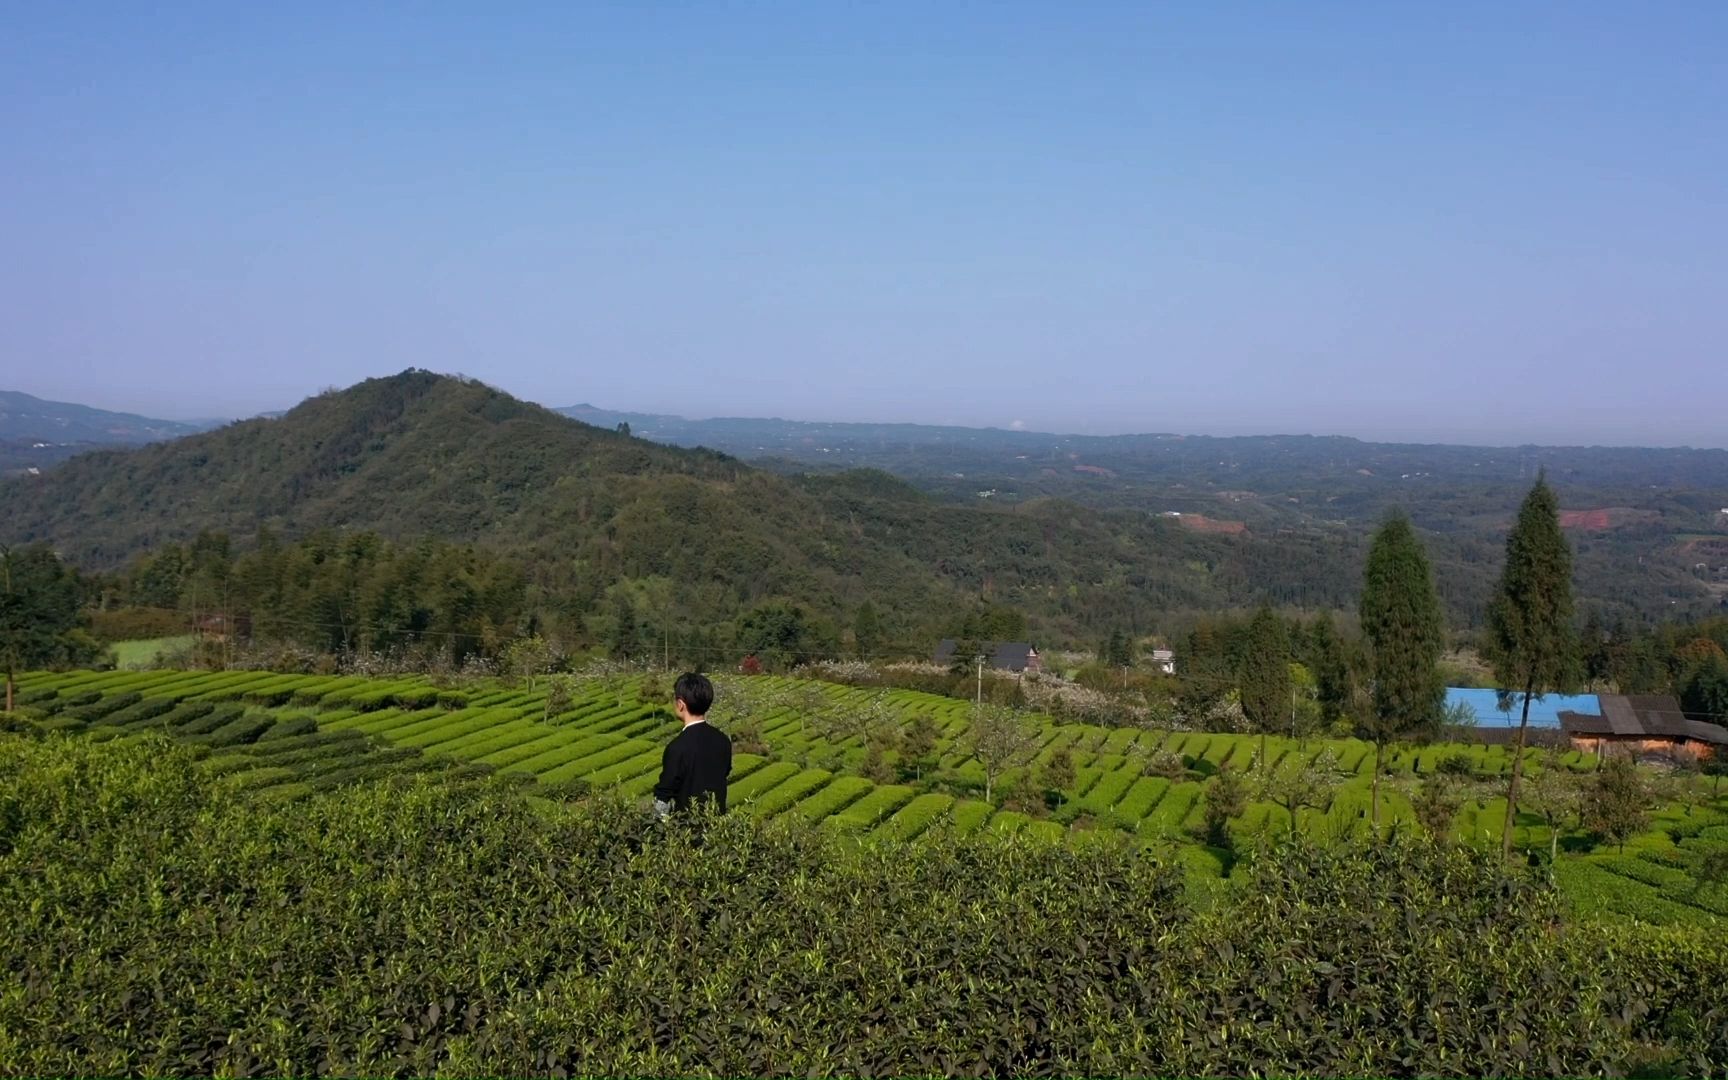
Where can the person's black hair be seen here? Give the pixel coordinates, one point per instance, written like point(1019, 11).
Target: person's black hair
point(695, 691)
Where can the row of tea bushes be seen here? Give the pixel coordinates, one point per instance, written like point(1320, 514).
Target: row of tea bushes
point(161, 924)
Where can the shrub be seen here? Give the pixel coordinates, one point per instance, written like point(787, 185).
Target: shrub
point(76, 700)
point(96, 710)
point(290, 728)
point(148, 709)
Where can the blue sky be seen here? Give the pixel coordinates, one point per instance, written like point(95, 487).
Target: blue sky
point(1466, 222)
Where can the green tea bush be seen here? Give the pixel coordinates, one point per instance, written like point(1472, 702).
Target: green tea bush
point(186, 712)
point(216, 717)
point(290, 728)
point(67, 701)
point(159, 923)
point(147, 709)
point(237, 732)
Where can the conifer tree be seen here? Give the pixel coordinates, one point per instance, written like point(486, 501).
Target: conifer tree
point(1331, 670)
point(1265, 675)
point(867, 630)
point(1530, 639)
point(1405, 633)
point(623, 636)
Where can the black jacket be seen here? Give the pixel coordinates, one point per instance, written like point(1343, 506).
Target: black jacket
point(696, 764)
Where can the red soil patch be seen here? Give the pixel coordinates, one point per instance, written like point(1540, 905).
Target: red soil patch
point(1607, 517)
point(1202, 523)
point(1592, 520)
point(1095, 470)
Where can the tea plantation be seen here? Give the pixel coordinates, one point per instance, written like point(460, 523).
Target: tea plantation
point(282, 737)
point(157, 923)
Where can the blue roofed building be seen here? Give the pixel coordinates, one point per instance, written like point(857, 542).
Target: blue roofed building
point(1491, 712)
point(1641, 724)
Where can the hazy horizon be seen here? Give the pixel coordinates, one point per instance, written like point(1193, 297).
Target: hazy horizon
point(1010, 426)
point(1467, 224)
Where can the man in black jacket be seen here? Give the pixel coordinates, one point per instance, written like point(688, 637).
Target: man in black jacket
point(699, 759)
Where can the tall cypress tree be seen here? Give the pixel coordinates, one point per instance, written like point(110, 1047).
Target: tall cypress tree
point(1530, 639)
point(1264, 676)
point(1406, 633)
point(1331, 669)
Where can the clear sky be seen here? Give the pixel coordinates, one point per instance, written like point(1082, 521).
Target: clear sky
point(1479, 222)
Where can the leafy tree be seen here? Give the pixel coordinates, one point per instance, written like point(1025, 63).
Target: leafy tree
point(1309, 784)
point(1637, 669)
point(1715, 766)
point(529, 658)
point(867, 630)
point(1226, 797)
point(1530, 640)
point(1704, 688)
point(1264, 675)
point(560, 691)
point(1555, 793)
point(1683, 785)
point(1000, 739)
point(1057, 773)
point(41, 624)
point(993, 622)
point(1618, 806)
point(782, 635)
point(918, 744)
point(1165, 763)
point(1402, 622)
point(874, 766)
point(1436, 804)
point(876, 725)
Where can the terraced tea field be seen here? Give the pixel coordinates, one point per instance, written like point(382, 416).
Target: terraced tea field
point(285, 735)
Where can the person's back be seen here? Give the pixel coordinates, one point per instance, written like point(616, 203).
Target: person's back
point(698, 761)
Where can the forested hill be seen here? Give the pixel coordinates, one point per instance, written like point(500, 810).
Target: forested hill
point(420, 455)
point(586, 509)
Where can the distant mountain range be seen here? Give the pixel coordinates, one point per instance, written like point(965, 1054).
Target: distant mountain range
point(35, 433)
point(25, 417)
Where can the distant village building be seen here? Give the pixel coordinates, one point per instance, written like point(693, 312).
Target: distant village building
point(1164, 660)
point(1015, 656)
point(1643, 723)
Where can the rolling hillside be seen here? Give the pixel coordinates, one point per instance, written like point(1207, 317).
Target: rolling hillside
point(418, 455)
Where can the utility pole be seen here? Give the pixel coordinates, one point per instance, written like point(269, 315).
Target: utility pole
point(980, 698)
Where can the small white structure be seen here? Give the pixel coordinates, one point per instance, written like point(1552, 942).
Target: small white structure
point(1164, 660)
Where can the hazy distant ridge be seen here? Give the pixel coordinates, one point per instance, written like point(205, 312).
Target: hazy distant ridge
point(23, 416)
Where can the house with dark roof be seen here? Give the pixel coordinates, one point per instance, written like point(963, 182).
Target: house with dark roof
point(1643, 723)
point(1015, 656)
